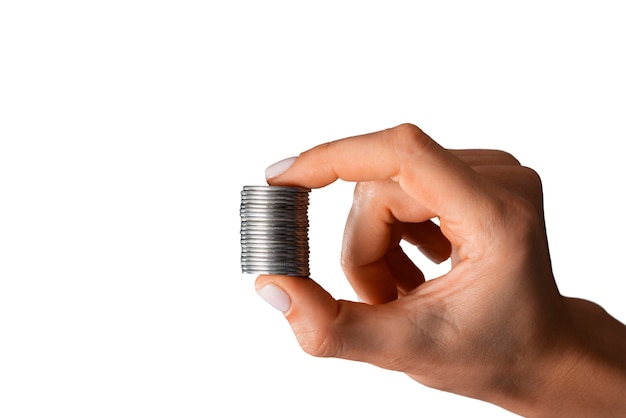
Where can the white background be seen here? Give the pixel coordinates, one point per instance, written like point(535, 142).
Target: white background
point(127, 129)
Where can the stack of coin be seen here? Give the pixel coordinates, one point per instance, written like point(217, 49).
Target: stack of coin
point(274, 230)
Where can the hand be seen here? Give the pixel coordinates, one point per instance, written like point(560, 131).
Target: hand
point(495, 327)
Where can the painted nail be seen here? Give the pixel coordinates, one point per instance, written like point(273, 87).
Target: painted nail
point(279, 167)
point(275, 296)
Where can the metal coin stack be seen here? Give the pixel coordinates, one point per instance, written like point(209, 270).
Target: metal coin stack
point(275, 230)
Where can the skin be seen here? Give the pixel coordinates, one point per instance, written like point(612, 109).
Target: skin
point(495, 327)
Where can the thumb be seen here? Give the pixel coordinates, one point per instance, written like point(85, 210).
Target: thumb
point(325, 327)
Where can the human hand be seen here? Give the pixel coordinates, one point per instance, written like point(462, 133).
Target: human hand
point(495, 327)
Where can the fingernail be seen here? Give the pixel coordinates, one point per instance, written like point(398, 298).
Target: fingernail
point(279, 167)
point(275, 296)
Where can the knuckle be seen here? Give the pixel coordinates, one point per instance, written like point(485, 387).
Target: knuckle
point(530, 193)
point(518, 221)
point(522, 200)
point(409, 137)
point(504, 157)
point(407, 129)
point(409, 143)
point(532, 178)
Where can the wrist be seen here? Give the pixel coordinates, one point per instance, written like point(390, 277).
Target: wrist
point(579, 370)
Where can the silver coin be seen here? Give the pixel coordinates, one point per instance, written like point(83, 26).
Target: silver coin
point(274, 230)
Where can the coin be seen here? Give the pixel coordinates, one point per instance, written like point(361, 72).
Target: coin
point(274, 230)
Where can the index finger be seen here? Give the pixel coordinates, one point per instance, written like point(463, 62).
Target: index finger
point(426, 171)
